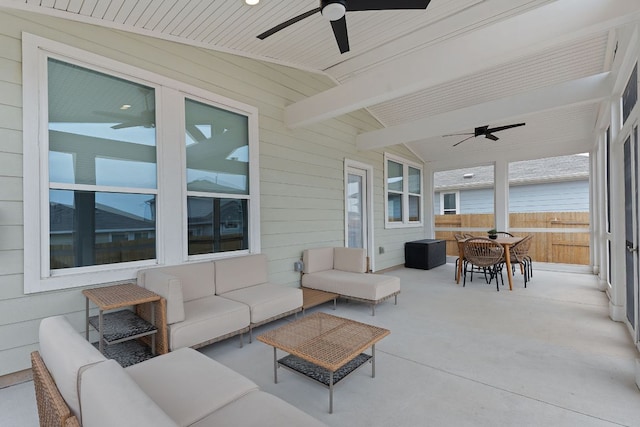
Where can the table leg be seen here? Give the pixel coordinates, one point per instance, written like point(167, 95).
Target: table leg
point(460, 257)
point(101, 326)
point(275, 365)
point(373, 361)
point(507, 257)
point(86, 309)
point(331, 392)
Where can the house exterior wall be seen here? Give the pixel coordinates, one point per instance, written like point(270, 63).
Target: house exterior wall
point(301, 171)
point(568, 196)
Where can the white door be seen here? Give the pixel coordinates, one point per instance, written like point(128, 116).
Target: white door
point(358, 216)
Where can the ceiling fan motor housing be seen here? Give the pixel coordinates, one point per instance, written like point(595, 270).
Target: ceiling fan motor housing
point(333, 10)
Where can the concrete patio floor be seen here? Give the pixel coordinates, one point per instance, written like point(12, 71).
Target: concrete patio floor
point(547, 355)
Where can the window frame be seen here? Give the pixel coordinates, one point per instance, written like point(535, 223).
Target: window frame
point(457, 209)
point(171, 220)
point(406, 164)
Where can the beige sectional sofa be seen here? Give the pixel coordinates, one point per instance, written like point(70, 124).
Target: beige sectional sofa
point(76, 385)
point(213, 300)
point(343, 271)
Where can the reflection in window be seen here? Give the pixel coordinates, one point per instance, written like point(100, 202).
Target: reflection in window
point(404, 192)
point(216, 225)
point(217, 144)
point(101, 137)
point(88, 228)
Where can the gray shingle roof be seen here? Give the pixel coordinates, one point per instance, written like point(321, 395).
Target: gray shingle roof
point(563, 168)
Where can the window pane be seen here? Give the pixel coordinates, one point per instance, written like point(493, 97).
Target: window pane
point(88, 228)
point(217, 225)
point(414, 180)
point(394, 176)
point(217, 150)
point(414, 208)
point(101, 129)
point(449, 201)
point(395, 208)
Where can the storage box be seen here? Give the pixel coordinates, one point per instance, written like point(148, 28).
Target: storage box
point(425, 254)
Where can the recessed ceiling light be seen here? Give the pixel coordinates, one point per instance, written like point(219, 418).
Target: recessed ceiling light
point(252, 2)
point(125, 107)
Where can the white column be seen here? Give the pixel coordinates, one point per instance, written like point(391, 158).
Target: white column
point(501, 189)
point(427, 203)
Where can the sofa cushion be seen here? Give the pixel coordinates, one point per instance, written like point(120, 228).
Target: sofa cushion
point(240, 272)
point(110, 398)
point(259, 409)
point(170, 287)
point(267, 300)
point(350, 259)
point(207, 318)
point(317, 259)
point(359, 285)
point(65, 353)
point(189, 386)
point(197, 278)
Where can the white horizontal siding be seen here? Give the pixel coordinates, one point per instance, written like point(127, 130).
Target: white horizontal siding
point(301, 171)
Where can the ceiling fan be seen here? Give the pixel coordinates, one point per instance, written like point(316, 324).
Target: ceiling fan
point(335, 10)
point(486, 131)
point(145, 118)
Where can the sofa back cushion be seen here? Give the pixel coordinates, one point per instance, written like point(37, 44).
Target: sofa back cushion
point(65, 353)
point(241, 272)
point(350, 259)
point(197, 278)
point(317, 259)
point(111, 398)
point(168, 286)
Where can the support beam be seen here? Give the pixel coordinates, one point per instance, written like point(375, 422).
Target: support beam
point(585, 90)
point(465, 55)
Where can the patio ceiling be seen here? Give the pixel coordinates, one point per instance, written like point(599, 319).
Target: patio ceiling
point(422, 73)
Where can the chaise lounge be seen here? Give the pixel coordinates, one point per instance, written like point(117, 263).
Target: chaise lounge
point(343, 271)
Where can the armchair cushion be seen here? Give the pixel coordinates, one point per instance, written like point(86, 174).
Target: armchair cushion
point(318, 259)
point(350, 259)
point(240, 272)
point(111, 398)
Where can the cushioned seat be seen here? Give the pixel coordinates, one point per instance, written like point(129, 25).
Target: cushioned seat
point(267, 300)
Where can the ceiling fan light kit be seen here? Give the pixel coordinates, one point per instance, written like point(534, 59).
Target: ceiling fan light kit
point(333, 10)
point(336, 10)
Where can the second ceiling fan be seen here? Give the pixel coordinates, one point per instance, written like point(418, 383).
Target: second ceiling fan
point(335, 12)
point(486, 131)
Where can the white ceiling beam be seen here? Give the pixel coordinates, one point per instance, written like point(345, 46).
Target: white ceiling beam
point(585, 90)
point(549, 25)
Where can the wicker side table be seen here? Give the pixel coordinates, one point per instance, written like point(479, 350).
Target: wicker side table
point(119, 327)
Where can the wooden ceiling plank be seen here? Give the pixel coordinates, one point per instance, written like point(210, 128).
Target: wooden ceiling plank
point(464, 55)
point(586, 90)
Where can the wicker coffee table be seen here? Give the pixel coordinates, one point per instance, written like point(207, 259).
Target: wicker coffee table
point(324, 348)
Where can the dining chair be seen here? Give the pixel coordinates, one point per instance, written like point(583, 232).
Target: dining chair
point(486, 255)
point(519, 254)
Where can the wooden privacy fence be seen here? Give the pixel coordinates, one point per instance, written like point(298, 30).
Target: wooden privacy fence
point(563, 246)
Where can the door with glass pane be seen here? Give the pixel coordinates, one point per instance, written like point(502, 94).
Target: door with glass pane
point(631, 226)
point(356, 221)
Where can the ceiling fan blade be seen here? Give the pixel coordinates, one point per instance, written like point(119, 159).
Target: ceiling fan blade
point(340, 31)
point(357, 5)
point(491, 137)
point(498, 129)
point(285, 24)
point(458, 134)
point(458, 143)
point(126, 125)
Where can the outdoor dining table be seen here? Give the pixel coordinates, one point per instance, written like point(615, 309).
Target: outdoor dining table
point(506, 243)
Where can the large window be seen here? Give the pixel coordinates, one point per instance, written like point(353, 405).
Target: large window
point(403, 187)
point(126, 169)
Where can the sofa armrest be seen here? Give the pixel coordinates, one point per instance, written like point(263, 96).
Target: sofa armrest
point(169, 287)
point(317, 259)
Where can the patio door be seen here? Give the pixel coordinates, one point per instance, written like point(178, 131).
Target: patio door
point(631, 226)
point(358, 211)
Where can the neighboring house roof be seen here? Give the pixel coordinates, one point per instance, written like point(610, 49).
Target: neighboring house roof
point(555, 169)
point(107, 219)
